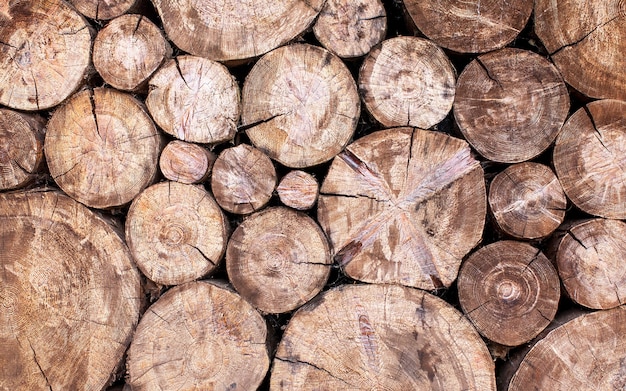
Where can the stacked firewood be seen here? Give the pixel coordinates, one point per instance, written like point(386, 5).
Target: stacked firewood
point(312, 195)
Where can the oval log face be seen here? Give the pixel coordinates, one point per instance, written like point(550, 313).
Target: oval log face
point(403, 206)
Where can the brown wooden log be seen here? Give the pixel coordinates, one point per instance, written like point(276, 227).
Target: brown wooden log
point(185, 162)
point(510, 104)
point(527, 200)
point(102, 148)
point(589, 256)
point(45, 52)
point(233, 30)
point(351, 28)
point(105, 9)
point(589, 158)
point(176, 232)
point(375, 337)
point(243, 179)
point(509, 290)
point(278, 259)
point(21, 148)
point(586, 42)
point(195, 99)
point(300, 105)
point(199, 336)
point(70, 294)
point(587, 353)
point(403, 206)
point(407, 81)
point(470, 26)
point(298, 190)
point(128, 50)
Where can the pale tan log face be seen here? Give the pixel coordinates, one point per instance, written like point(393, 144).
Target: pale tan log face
point(21, 148)
point(403, 206)
point(70, 295)
point(509, 290)
point(102, 148)
point(298, 190)
point(195, 99)
point(185, 162)
point(44, 55)
point(234, 29)
point(510, 104)
point(586, 42)
point(590, 260)
point(377, 337)
point(473, 26)
point(589, 158)
point(527, 200)
point(407, 81)
point(103, 9)
point(350, 28)
point(128, 50)
point(176, 232)
point(199, 336)
point(300, 105)
point(587, 353)
point(278, 259)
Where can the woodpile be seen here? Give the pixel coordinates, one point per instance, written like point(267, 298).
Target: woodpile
point(312, 195)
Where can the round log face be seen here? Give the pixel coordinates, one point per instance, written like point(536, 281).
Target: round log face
point(589, 158)
point(590, 260)
point(587, 353)
point(21, 148)
point(403, 206)
point(233, 29)
point(176, 232)
point(185, 162)
point(195, 99)
point(298, 190)
point(199, 336)
point(44, 54)
point(527, 200)
point(373, 337)
point(473, 26)
point(407, 81)
point(278, 259)
point(510, 104)
point(102, 148)
point(510, 291)
point(586, 42)
point(70, 295)
point(103, 9)
point(300, 105)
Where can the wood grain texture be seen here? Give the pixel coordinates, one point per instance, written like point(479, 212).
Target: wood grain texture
point(185, 162)
point(377, 337)
point(298, 190)
point(104, 9)
point(21, 148)
point(403, 206)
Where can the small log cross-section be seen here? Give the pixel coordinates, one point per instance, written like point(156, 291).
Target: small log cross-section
point(234, 30)
point(407, 81)
point(45, 52)
point(278, 259)
point(104, 9)
point(199, 336)
point(128, 50)
point(587, 353)
point(102, 148)
point(195, 99)
point(510, 104)
point(376, 337)
point(70, 295)
point(590, 158)
point(350, 28)
point(298, 190)
point(472, 26)
point(403, 206)
point(243, 179)
point(590, 260)
point(176, 232)
point(527, 200)
point(185, 162)
point(21, 148)
point(585, 39)
point(300, 105)
point(510, 291)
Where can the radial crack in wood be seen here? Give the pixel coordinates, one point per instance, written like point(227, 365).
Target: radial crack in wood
point(21, 148)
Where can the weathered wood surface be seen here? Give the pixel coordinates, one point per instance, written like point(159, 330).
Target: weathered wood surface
point(105, 9)
point(298, 190)
point(185, 162)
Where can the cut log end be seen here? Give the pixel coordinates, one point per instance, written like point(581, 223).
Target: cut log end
point(21, 148)
point(185, 162)
point(298, 190)
point(104, 10)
